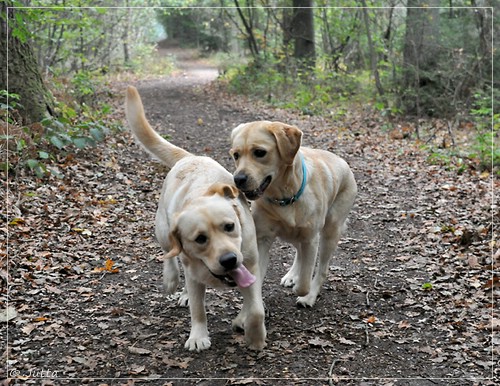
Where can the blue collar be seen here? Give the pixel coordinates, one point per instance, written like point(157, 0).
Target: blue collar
point(290, 200)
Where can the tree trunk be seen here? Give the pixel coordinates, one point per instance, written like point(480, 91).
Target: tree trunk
point(421, 51)
point(252, 42)
point(373, 54)
point(302, 30)
point(20, 73)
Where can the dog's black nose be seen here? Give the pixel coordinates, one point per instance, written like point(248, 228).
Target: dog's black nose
point(240, 180)
point(228, 260)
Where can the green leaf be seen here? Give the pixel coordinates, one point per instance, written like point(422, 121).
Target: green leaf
point(39, 171)
point(80, 142)
point(55, 172)
point(56, 141)
point(427, 286)
point(97, 134)
point(32, 163)
point(21, 144)
point(43, 155)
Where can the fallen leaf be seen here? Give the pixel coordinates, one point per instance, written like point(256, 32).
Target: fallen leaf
point(7, 314)
point(108, 267)
point(320, 342)
point(28, 328)
point(136, 369)
point(139, 351)
point(180, 363)
point(346, 341)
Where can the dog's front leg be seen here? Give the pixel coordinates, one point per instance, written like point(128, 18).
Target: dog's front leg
point(251, 317)
point(198, 337)
point(264, 245)
point(303, 266)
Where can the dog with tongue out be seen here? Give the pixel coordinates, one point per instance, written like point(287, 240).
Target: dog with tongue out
point(204, 220)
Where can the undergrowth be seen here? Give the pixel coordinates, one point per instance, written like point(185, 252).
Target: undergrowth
point(81, 119)
point(83, 116)
point(328, 93)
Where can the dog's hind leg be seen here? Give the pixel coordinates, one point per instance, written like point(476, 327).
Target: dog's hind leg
point(329, 239)
point(170, 275)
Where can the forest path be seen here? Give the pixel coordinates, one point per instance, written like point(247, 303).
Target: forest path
point(194, 69)
point(375, 322)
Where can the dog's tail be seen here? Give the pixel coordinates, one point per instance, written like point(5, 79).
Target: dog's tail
point(166, 152)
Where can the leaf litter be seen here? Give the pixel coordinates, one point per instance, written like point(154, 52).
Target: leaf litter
point(411, 296)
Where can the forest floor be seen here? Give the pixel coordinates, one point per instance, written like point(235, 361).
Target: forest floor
point(411, 297)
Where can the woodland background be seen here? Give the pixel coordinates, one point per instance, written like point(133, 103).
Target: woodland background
point(405, 90)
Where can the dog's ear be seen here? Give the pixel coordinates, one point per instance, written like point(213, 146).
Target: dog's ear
point(288, 139)
point(175, 243)
point(224, 190)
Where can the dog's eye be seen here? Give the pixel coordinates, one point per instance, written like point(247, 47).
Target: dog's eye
point(259, 153)
point(201, 239)
point(229, 227)
point(236, 156)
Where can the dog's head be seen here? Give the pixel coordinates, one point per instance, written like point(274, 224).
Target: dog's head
point(208, 232)
point(261, 151)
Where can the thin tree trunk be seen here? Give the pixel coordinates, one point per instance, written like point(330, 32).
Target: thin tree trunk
point(252, 43)
point(373, 54)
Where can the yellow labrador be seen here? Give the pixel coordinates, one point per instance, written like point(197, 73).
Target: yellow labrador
point(301, 195)
point(203, 219)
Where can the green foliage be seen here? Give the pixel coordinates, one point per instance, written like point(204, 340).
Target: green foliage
point(147, 62)
point(451, 159)
point(8, 100)
point(318, 92)
point(41, 146)
point(486, 148)
point(79, 36)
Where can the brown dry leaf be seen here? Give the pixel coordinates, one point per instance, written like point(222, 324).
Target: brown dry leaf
point(108, 267)
point(28, 328)
point(320, 342)
point(180, 363)
point(139, 351)
point(136, 369)
point(346, 341)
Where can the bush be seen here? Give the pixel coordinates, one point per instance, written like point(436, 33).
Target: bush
point(486, 148)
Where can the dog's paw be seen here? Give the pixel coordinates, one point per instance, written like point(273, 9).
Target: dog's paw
point(256, 338)
point(301, 291)
point(257, 346)
point(198, 344)
point(289, 279)
point(183, 298)
point(238, 324)
point(306, 301)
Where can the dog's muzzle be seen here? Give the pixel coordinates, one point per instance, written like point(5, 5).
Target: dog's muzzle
point(241, 181)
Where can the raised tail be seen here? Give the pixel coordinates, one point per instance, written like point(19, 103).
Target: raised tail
point(159, 147)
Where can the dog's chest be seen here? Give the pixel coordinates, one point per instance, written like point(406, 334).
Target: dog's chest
point(292, 224)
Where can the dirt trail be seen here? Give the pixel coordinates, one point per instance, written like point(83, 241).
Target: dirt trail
point(373, 324)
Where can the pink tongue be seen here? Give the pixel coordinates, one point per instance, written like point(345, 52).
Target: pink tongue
point(242, 276)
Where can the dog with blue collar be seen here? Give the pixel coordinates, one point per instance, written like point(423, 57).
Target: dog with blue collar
point(299, 194)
